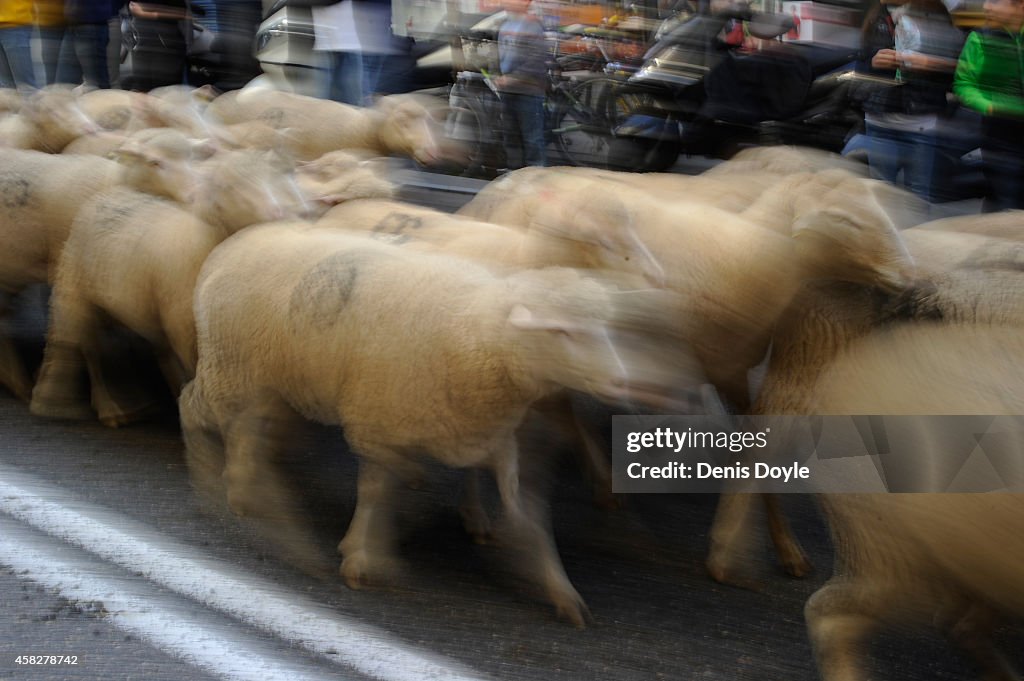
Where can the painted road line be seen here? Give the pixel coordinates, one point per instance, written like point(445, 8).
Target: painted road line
point(178, 627)
point(179, 567)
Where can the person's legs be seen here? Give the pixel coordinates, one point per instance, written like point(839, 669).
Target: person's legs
point(346, 77)
point(884, 153)
point(50, 38)
point(930, 167)
point(90, 41)
point(69, 70)
point(15, 43)
point(531, 127)
point(6, 77)
point(373, 66)
point(1002, 158)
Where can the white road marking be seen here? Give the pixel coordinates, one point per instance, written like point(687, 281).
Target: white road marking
point(293, 617)
point(164, 620)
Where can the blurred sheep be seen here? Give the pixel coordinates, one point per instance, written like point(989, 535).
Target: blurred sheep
point(946, 560)
point(428, 355)
point(133, 258)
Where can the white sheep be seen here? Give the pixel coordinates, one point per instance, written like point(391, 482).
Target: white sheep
point(734, 185)
point(133, 258)
point(341, 176)
point(398, 124)
point(48, 120)
point(959, 278)
point(410, 354)
point(40, 195)
point(1007, 224)
point(950, 561)
point(500, 248)
point(736, 277)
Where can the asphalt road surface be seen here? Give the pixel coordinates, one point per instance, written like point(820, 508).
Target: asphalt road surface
point(111, 568)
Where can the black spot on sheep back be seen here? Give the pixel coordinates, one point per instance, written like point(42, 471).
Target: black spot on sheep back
point(395, 227)
point(15, 190)
point(324, 291)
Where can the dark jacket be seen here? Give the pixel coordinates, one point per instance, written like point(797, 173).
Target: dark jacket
point(91, 11)
point(919, 92)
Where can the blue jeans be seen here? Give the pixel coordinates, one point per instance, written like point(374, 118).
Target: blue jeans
point(16, 67)
point(354, 77)
point(523, 117)
point(926, 163)
point(83, 55)
point(50, 39)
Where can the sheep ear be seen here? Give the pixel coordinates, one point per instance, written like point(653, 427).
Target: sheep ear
point(522, 317)
point(205, 148)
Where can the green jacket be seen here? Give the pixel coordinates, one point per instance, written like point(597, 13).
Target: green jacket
point(990, 73)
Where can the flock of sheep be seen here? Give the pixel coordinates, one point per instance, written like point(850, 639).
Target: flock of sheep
point(252, 240)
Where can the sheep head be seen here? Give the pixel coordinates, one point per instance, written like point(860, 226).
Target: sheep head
point(587, 335)
point(847, 234)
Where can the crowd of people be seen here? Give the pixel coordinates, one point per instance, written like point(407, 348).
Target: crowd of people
point(936, 85)
point(941, 84)
point(93, 42)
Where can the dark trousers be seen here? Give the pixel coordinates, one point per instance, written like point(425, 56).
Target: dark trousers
point(523, 120)
point(83, 55)
point(1002, 161)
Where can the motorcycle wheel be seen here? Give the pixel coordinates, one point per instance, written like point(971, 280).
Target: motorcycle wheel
point(638, 154)
point(584, 115)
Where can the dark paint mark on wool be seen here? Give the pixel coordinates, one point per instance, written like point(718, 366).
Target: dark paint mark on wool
point(115, 119)
point(397, 225)
point(323, 292)
point(273, 117)
point(15, 190)
point(114, 214)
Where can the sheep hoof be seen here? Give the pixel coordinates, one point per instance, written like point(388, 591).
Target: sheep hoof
point(115, 418)
point(360, 570)
point(58, 409)
point(20, 389)
point(572, 608)
point(723, 574)
point(797, 565)
point(242, 503)
point(477, 525)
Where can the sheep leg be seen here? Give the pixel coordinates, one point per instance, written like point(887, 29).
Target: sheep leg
point(594, 459)
point(471, 508)
point(12, 370)
point(115, 405)
point(368, 546)
point(731, 537)
point(790, 553)
point(173, 371)
point(77, 330)
point(252, 438)
point(204, 446)
point(840, 620)
point(532, 532)
point(59, 391)
point(973, 634)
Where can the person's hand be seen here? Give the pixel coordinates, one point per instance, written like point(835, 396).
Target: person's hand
point(885, 59)
point(913, 61)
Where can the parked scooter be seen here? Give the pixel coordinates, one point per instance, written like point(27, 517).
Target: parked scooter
point(697, 94)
